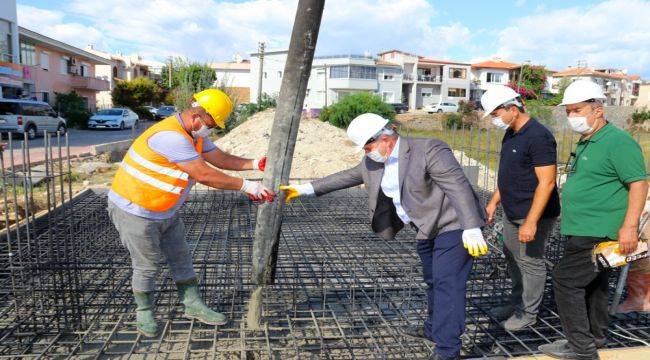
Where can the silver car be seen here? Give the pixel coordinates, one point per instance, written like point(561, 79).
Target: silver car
point(115, 118)
point(31, 117)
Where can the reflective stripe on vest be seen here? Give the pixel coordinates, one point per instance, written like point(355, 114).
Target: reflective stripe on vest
point(149, 180)
point(178, 174)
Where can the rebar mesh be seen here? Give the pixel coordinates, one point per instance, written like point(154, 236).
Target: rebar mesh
point(341, 292)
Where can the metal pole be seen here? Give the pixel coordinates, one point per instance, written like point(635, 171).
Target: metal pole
point(282, 144)
point(261, 72)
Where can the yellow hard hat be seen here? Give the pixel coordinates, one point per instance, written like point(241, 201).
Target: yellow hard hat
point(216, 103)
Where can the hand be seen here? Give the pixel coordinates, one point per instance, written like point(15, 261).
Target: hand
point(628, 239)
point(259, 164)
point(294, 191)
point(474, 242)
point(490, 209)
point(527, 231)
point(257, 192)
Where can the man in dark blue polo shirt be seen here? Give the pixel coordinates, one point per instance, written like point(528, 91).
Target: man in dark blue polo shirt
point(527, 192)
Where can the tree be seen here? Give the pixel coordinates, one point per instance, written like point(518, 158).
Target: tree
point(344, 111)
point(135, 93)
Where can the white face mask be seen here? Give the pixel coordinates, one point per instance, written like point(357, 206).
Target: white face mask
point(579, 124)
point(376, 156)
point(498, 122)
point(203, 131)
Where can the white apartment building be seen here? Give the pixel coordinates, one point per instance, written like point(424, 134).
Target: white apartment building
point(235, 77)
point(492, 72)
point(272, 71)
point(428, 81)
point(122, 67)
point(617, 86)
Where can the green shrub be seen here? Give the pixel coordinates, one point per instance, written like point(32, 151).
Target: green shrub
point(453, 120)
point(639, 116)
point(143, 113)
point(77, 119)
point(344, 111)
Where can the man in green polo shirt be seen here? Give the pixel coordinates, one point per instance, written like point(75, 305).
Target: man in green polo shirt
point(602, 200)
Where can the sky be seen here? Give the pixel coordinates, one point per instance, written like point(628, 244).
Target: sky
point(554, 33)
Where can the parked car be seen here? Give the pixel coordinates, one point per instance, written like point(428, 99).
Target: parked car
point(441, 107)
point(151, 109)
point(31, 117)
point(165, 111)
point(115, 118)
point(399, 107)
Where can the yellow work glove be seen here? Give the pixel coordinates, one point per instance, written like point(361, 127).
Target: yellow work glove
point(474, 242)
point(292, 191)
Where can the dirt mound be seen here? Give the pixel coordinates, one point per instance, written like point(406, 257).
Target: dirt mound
point(321, 149)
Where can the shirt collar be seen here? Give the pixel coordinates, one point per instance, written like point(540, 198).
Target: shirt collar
point(395, 153)
point(600, 133)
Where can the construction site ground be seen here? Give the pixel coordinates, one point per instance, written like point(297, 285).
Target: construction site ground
point(341, 292)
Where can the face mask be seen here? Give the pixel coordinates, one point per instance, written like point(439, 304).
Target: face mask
point(579, 124)
point(498, 122)
point(203, 131)
point(376, 156)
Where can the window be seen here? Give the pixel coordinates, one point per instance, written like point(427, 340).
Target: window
point(494, 77)
point(84, 69)
point(27, 54)
point(387, 96)
point(456, 92)
point(6, 51)
point(45, 61)
point(389, 77)
point(64, 65)
point(457, 73)
point(46, 97)
point(363, 72)
point(265, 74)
point(339, 72)
point(9, 108)
point(114, 71)
point(280, 74)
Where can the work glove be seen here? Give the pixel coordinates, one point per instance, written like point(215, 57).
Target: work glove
point(259, 164)
point(292, 191)
point(256, 191)
point(474, 242)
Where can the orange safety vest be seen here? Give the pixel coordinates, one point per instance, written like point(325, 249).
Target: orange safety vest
point(147, 178)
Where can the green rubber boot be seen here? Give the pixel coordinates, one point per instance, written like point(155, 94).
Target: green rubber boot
point(144, 318)
point(188, 291)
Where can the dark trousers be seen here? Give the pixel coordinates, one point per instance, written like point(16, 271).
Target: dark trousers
point(581, 294)
point(445, 267)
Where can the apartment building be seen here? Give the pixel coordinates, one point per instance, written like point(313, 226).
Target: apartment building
point(235, 78)
point(618, 87)
point(121, 67)
point(11, 73)
point(51, 66)
point(492, 72)
point(430, 81)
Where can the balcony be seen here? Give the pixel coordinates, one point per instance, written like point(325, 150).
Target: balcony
point(430, 78)
point(90, 83)
point(408, 77)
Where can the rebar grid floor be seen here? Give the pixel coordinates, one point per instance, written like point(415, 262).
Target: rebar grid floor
point(341, 292)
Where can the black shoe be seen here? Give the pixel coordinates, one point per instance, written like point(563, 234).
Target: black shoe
point(416, 332)
point(560, 349)
point(437, 356)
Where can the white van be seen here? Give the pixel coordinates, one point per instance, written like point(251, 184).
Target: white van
point(31, 117)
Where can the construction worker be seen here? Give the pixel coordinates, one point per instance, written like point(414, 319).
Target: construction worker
point(526, 189)
point(417, 182)
point(151, 184)
point(602, 200)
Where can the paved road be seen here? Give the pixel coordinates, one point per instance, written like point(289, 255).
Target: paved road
point(81, 141)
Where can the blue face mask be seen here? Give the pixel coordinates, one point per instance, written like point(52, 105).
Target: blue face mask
point(203, 131)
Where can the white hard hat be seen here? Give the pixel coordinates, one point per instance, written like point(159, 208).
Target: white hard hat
point(363, 127)
point(495, 96)
point(582, 90)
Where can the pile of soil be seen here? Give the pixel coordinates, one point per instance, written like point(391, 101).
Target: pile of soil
point(321, 149)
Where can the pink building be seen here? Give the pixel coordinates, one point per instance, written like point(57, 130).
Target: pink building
point(51, 66)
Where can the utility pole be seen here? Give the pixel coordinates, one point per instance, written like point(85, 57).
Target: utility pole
point(169, 72)
point(260, 51)
point(281, 147)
